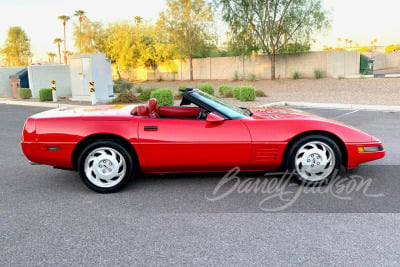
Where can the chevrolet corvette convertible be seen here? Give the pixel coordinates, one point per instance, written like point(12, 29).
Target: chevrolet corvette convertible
point(107, 145)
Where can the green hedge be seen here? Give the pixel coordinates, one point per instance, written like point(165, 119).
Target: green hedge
point(164, 97)
point(225, 90)
point(207, 88)
point(126, 97)
point(24, 93)
point(45, 94)
point(245, 93)
point(236, 92)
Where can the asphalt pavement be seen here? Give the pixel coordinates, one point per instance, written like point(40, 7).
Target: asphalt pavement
point(49, 218)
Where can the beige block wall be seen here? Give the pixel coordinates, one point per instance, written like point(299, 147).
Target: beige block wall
point(384, 61)
point(333, 63)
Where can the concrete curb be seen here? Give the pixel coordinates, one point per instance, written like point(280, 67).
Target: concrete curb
point(39, 104)
point(335, 106)
point(393, 75)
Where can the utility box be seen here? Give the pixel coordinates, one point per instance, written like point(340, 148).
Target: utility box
point(87, 69)
point(366, 65)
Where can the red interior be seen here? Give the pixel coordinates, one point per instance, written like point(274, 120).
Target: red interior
point(152, 110)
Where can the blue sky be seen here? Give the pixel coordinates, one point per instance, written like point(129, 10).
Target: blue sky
point(360, 21)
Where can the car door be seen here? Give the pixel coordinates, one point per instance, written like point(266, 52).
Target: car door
point(174, 145)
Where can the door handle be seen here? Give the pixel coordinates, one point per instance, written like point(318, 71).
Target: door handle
point(150, 128)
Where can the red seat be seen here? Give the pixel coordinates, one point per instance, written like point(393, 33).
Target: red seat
point(153, 108)
point(141, 110)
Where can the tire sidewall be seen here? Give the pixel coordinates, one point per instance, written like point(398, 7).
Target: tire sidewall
point(311, 138)
point(113, 145)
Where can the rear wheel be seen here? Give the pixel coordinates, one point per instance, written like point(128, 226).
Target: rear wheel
point(105, 166)
point(315, 159)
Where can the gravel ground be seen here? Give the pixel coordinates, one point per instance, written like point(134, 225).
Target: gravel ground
point(365, 91)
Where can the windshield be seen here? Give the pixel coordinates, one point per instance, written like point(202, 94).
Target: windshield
point(226, 109)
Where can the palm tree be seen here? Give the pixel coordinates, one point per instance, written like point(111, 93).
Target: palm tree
point(138, 20)
point(67, 54)
point(64, 20)
point(51, 56)
point(81, 16)
point(58, 41)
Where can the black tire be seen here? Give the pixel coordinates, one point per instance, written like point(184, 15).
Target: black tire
point(315, 160)
point(105, 166)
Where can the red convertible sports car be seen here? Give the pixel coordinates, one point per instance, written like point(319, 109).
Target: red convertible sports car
point(108, 145)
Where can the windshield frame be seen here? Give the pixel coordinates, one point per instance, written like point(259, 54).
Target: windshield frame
point(213, 104)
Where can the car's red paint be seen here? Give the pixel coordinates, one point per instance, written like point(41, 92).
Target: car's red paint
point(179, 142)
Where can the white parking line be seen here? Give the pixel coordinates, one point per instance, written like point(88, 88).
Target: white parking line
point(345, 114)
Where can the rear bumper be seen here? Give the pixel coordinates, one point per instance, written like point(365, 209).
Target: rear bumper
point(44, 153)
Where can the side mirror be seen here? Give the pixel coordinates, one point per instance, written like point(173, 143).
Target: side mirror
point(212, 117)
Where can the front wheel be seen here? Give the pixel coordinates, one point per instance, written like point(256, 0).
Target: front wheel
point(105, 166)
point(315, 160)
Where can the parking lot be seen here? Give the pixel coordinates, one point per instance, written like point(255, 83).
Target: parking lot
point(48, 217)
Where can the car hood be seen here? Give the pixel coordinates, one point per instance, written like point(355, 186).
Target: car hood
point(87, 111)
point(275, 113)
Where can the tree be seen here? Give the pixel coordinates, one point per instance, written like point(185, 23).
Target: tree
point(274, 24)
point(138, 20)
point(64, 20)
point(86, 35)
point(17, 48)
point(187, 24)
point(58, 41)
point(51, 56)
point(120, 43)
point(81, 17)
point(153, 49)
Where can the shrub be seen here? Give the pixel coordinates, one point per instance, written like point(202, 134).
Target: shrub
point(296, 75)
point(46, 94)
point(178, 95)
point(125, 97)
point(260, 93)
point(251, 77)
point(247, 93)
point(236, 92)
point(24, 93)
point(121, 86)
point(207, 88)
point(145, 94)
point(318, 74)
point(236, 76)
point(223, 89)
point(139, 90)
point(164, 97)
point(182, 87)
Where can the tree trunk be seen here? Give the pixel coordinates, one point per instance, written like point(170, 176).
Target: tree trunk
point(65, 45)
point(273, 61)
point(59, 52)
point(119, 74)
point(191, 66)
